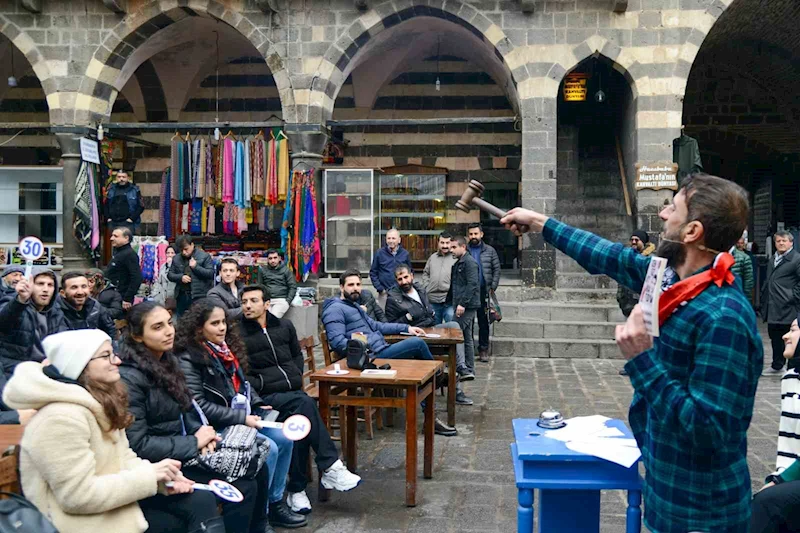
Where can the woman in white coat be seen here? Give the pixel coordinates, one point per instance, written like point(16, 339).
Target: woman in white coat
point(75, 464)
point(163, 288)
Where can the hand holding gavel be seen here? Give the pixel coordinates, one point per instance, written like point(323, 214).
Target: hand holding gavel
point(518, 220)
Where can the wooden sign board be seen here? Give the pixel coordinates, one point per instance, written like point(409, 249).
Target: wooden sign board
point(656, 176)
point(575, 87)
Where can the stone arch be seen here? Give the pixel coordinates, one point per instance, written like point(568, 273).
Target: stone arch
point(114, 61)
point(353, 47)
point(23, 42)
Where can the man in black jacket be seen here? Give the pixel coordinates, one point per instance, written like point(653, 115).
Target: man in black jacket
point(489, 276)
point(192, 271)
point(11, 276)
point(81, 311)
point(279, 281)
point(407, 303)
point(276, 373)
point(464, 296)
point(226, 292)
point(27, 316)
point(370, 306)
point(124, 271)
point(124, 206)
point(780, 298)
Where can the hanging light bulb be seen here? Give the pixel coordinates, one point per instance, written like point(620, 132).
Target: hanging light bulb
point(600, 96)
point(216, 85)
point(100, 132)
point(438, 60)
point(438, 84)
point(12, 80)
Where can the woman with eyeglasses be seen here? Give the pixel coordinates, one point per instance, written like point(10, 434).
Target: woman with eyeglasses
point(213, 358)
point(165, 423)
point(76, 465)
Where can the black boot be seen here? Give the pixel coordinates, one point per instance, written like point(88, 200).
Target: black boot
point(214, 525)
point(281, 516)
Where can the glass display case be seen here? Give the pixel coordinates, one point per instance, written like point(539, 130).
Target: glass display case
point(412, 199)
point(350, 221)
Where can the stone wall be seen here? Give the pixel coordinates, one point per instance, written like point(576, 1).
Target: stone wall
point(84, 55)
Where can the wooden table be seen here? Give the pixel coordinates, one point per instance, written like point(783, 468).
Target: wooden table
point(443, 349)
point(10, 435)
point(416, 378)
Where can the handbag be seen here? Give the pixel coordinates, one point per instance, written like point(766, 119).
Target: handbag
point(18, 515)
point(240, 453)
point(493, 310)
point(358, 355)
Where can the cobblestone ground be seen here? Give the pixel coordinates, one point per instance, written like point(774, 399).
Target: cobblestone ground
point(472, 489)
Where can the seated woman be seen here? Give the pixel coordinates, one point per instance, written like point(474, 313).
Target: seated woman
point(76, 464)
point(165, 424)
point(776, 507)
point(213, 358)
point(105, 292)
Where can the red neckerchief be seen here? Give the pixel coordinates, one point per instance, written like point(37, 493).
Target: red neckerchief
point(689, 288)
point(229, 361)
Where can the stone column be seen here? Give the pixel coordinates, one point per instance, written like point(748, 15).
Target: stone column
point(74, 255)
point(539, 132)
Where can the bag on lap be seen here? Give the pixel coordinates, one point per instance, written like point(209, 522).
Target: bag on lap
point(18, 515)
point(240, 453)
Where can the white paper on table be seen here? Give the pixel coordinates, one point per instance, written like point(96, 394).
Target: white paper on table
point(579, 427)
point(611, 432)
point(609, 449)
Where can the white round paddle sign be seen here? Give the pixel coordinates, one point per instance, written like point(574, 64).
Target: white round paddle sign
point(225, 490)
point(31, 248)
point(296, 427)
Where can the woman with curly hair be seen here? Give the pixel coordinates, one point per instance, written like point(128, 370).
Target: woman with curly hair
point(105, 292)
point(165, 423)
point(213, 359)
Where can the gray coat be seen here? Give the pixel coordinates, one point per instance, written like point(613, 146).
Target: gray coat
point(222, 296)
point(780, 295)
point(279, 281)
point(202, 274)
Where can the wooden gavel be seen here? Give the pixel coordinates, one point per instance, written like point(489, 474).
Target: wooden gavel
point(472, 196)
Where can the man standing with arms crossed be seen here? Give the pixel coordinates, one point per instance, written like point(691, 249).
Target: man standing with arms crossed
point(695, 384)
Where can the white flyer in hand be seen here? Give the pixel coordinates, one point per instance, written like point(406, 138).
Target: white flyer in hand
point(651, 292)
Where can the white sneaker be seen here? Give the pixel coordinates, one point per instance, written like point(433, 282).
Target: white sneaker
point(298, 502)
point(340, 478)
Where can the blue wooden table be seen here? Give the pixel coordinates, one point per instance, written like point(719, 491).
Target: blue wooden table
point(569, 482)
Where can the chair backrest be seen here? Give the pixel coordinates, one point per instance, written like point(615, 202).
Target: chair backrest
point(329, 355)
point(307, 344)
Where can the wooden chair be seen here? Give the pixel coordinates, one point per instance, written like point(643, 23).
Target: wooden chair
point(370, 413)
point(312, 389)
point(9, 472)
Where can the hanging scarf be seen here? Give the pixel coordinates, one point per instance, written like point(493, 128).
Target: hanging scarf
point(164, 226)
point(272, 174)
point(687, 289)
point(228, 360)
point(85, 205)
point(175, 165)
point(287, 215)
point(238, 188)
point(248, 172)
point(283, 168)
point(228, 169)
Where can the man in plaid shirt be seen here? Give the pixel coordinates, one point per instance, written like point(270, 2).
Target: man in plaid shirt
point(694, 385)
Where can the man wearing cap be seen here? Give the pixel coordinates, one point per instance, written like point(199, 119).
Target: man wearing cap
point(27, 316)
point(11, 276)
point(627, 298)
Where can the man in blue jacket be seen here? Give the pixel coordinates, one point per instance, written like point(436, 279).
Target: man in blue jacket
point(343, 316)
point(383, 264)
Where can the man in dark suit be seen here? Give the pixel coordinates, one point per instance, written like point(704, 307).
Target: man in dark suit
point(780, 298)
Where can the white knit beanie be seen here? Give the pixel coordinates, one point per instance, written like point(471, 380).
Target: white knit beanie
point(71, 351)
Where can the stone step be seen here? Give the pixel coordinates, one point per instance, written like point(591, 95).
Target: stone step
point(583, 280)
point(555, 348)
point(556, 329)
point(544, 311)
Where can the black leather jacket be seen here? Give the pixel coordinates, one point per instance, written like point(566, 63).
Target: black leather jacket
point(400, 306)
point(213, 389)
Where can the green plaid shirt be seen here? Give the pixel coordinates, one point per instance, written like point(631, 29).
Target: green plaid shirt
point(693, 395)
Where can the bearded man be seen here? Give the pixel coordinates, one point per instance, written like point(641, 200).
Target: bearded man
point(695, 384)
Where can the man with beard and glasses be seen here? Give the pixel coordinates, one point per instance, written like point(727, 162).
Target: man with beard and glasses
point(343, 316)
point(81, 310)
point(408, 304)
point(695, 384)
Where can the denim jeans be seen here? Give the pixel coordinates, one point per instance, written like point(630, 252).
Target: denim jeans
point(466, 322)
point(442, 313)
point(483, 321)
point(461, 366)
point(278, 461)
point(413, 348)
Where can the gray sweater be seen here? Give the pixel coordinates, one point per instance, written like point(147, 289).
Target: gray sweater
point(436, 276)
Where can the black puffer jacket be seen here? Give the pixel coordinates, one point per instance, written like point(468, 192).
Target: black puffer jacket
point(213, 389)
point(400, 306)
point(202, 274)
point(156, 432)
point(124, 272)
point(22, 329)
point(111, 300)
point(278, 370)
point(92, 316)
point(374, 310)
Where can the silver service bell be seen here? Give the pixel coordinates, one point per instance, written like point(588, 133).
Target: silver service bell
point(551, 419)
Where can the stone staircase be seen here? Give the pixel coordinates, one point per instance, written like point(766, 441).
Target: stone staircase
point(575, 323)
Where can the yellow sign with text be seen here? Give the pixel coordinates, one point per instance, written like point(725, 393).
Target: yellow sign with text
point(575, 87)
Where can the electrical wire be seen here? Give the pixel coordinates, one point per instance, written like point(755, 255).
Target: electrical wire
point(12, 138)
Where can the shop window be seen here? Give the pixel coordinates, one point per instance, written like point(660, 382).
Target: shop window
point(31, 203)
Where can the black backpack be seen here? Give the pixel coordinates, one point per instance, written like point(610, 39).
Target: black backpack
point(18, 515)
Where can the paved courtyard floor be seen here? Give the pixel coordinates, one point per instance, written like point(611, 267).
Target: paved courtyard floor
point(472, 489)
